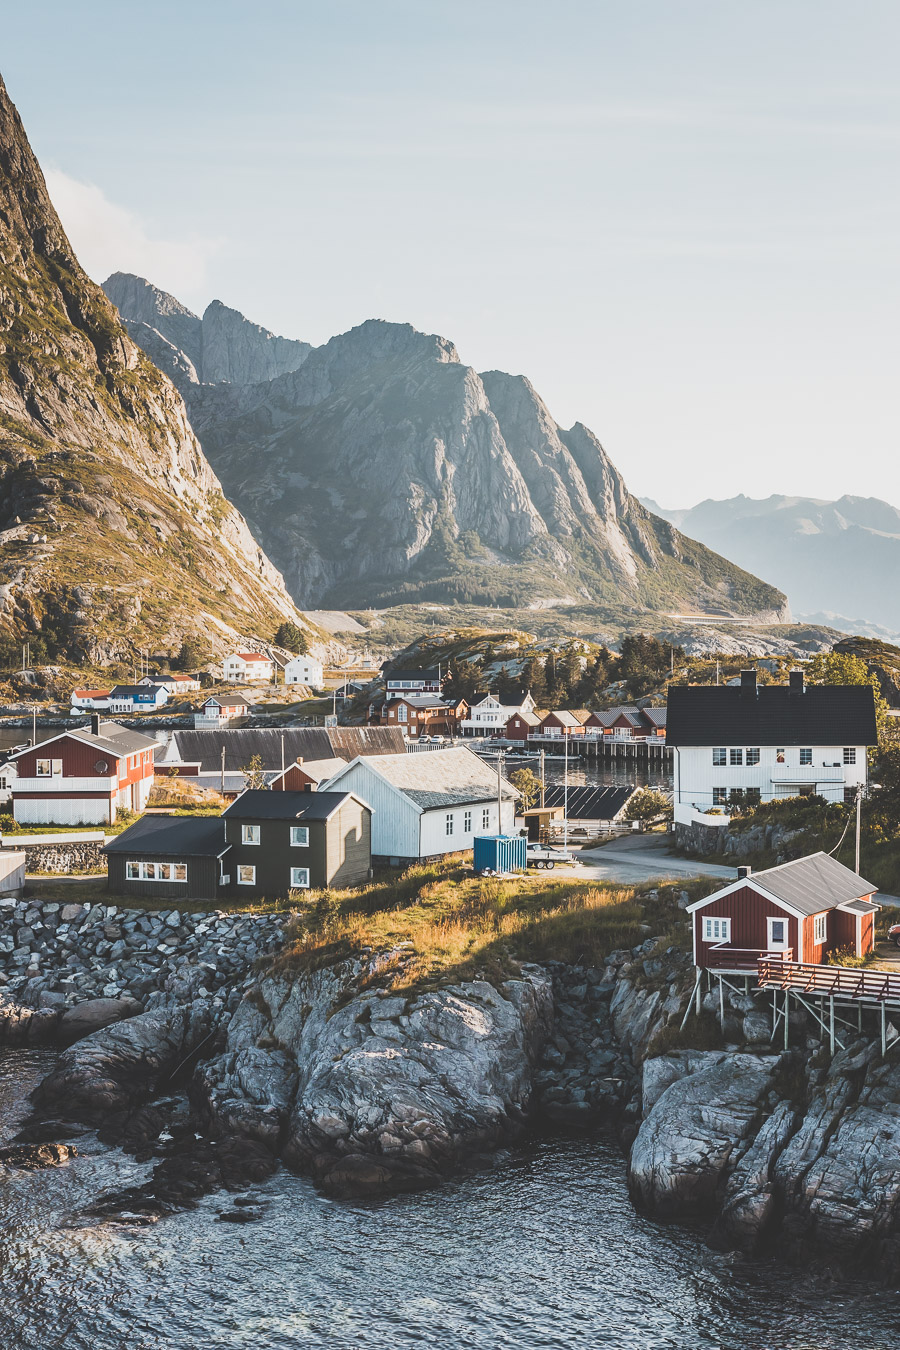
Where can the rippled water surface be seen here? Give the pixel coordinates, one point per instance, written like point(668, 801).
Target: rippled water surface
point(543, 1251)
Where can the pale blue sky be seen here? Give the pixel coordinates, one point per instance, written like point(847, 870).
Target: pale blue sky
point(679, 218)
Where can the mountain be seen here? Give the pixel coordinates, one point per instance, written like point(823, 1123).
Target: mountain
point(383, 471)
point(834, 558)
point(220, 346)
point(114, 532)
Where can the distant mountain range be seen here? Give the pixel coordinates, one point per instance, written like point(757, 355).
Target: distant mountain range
point(379, 470)
point(114, 532)
point(838, 561)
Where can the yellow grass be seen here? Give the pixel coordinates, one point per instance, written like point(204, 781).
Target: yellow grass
point(447, 925)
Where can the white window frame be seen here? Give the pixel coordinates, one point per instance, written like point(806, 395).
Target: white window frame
point(155, 871)
point(716, 929)
point(245, 880)
point(752, 755)
point(250, 834)
point(300, 878)
point(719, 756)
point(449, 824)
point(486, 818)
point(43, 768)
point(849, 754)
point(720, 796)
point(806, 754)
point(771, 944)
point(467, 822)
point(735, 756)
point(820, 928)
point(300, 837)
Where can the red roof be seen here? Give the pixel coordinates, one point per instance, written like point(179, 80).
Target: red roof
point(90, 693)
point(252, 656)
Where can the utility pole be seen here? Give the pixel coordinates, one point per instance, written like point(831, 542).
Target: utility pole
point(566, 791)
point(223, 771)
point(859, 797)
point(34, 729)
point(543, 780)
point(500, 792)
point(282, 761)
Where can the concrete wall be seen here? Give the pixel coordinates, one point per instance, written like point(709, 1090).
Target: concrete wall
point(12, 872)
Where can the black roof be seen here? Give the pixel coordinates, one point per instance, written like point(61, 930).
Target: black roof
point(200, 837)
point(588, 803)
point(265, 804)
point(242, 743)
point(399, 673)
point(772, 714)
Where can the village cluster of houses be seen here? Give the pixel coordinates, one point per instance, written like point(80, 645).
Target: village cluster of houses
point(414, 703)
point(152, 692)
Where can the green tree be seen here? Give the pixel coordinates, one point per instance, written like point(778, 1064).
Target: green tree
point(647, 804)
point(194, 652)
point(292, 639)
point(255, 774)
point(529, 785)
point(533, 678)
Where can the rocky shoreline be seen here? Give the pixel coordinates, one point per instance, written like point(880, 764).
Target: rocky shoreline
point(216, 1072)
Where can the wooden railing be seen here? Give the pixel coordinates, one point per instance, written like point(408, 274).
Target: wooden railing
point(744, 958)
point(831, 981)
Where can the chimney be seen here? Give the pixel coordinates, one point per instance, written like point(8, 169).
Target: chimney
point(748, 682)
point(796, 682)
point(744, 872)
point(95, 724)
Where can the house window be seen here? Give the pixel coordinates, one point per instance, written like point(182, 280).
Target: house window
point(150, 871)
point(249, 834)
point(485, 819)
point(44, 768)
point(820, 928)
point(299, 836)
point(849, 754)
point(300, 876)
point(806, 755)
point(716, 930)
point(736, 756)
point(246, 876)
point(720, 796)
point(448, 823)
point(402, 713)
point(752, 755)
point(467, 822)
point(719, 756)
point(778, 934)
point(779, 756)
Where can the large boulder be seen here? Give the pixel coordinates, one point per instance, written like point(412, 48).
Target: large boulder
point(249, 1088)
point(116, 1069)
point(95, 1014)
point(695, 1132)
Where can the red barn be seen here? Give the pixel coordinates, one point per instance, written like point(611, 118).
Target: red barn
point(800, 911)
point(83, 777)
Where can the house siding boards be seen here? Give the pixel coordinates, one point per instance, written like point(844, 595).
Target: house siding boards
point(395, 827)
point(202, 877)
point(338, 852)
point(748, 911)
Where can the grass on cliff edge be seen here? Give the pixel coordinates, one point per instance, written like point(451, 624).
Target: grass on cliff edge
point(447, 925)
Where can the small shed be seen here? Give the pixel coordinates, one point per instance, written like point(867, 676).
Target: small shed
point(800, 910)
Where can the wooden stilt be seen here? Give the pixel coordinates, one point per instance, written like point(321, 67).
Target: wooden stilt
point(787, 1019)
point(883, 1031)
point(831, 1025)
point(721, 1004)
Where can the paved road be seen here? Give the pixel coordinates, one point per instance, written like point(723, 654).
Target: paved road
point(635, 859)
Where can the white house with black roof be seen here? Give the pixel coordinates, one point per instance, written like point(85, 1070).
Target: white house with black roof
point(763, 742)
point(428, 805)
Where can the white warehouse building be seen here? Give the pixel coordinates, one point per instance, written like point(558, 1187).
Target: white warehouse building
point(758, 743)
point(427, 805)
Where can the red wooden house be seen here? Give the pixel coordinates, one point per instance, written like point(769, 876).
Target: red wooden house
point(565, 722)
point(424, 715)
point(83, 777)
point(521, 724)
point(799, 911)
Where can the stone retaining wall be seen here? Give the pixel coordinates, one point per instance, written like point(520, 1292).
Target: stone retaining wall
point(696, 839)
point(62, 858)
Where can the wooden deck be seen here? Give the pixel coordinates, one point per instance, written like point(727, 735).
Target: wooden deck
point(859, 985)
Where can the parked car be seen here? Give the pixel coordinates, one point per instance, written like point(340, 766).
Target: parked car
point(547, 855)
point(894, 934)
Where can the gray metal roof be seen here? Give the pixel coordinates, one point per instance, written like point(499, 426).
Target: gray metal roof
point(457, 773)
point(431, 801)
point(241, 744)
point(115, 740)
point(811, 885)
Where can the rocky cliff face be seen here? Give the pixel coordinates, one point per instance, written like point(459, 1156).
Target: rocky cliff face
point(382, 470)
point(222, 346)
point(113, 528)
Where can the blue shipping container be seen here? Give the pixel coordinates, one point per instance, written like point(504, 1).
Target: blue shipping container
point(500, 853)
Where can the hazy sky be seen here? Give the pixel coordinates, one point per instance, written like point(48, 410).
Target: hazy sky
point(678, 218)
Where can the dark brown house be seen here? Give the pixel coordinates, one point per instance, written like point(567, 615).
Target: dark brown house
point(265, 845)
point(283, 841)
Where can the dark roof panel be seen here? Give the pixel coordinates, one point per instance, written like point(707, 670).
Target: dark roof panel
point(771, 715)
point(200, 837)
point(589, 803)
point(242, 743)
point(266, 804)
